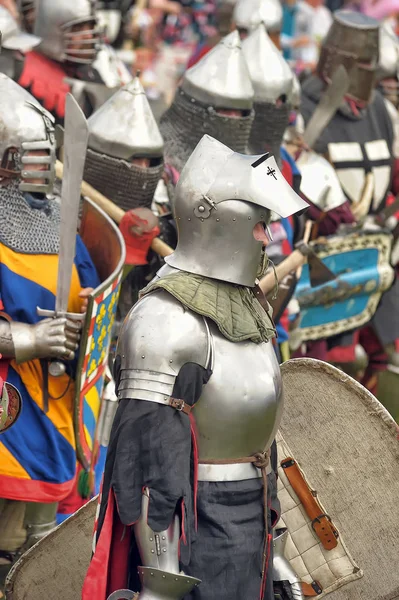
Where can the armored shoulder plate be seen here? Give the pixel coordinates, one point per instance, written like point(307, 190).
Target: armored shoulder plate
point(158, 337)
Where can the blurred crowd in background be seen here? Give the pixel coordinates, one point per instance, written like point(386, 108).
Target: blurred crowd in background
point(160, 38)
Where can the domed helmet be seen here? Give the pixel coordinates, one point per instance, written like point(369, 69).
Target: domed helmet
point(222, 199)
point(215, 97)
point(122, 130)
point(352, 41)
point(27, 137)
point(273, 81)
point(68, 30)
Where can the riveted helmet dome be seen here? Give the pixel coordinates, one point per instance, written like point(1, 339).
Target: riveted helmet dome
point(220, 197)
point(25, 127)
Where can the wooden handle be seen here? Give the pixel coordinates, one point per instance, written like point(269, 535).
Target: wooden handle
point(115, 212)
point(291, 263)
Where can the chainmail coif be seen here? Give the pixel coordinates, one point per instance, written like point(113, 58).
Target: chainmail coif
point(25, 229)
point(128, 185)
point(187, 120)
point(268, 128)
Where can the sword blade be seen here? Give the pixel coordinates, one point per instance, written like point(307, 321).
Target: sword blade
point(327, 107)
point(75, 146)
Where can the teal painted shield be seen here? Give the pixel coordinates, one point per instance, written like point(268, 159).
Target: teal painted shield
point(361, 262)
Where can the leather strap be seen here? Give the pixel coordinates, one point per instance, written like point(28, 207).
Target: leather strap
point(310, 590)
point(180, 405)
point(321, 523)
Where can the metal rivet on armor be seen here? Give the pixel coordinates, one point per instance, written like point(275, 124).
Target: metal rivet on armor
point(163, 576)
point(151, 539)
point(234, 219)
point(152, 551)
point(143, 356)
point(202, 220)
point(218, 220)
point(163, 549)
point(171, 360)
point(152, 574)
point(164, 537)
point(176, 579)
point(189, 219)
point(249, 218)
point(201, 208)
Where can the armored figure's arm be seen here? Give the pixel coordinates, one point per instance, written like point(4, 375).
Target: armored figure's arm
point(50, 338)
point(162, 352)
point(159, 552)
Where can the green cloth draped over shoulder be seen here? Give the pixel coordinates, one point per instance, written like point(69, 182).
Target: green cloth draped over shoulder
point(235, 310)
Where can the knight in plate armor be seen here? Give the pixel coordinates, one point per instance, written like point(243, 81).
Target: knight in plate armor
point(215, 97)
point(200, 400)
point(360, 142)
point(37, 456)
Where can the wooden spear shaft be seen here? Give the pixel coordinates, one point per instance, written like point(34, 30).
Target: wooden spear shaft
point(115, 212)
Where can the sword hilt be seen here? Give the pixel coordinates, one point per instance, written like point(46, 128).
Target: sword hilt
point(56, 367)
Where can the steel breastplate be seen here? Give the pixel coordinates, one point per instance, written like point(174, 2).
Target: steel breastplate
point(240, 407)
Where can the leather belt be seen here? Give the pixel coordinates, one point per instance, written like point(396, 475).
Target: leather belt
point(259, 460)
point(235, 472)
point(321, 523)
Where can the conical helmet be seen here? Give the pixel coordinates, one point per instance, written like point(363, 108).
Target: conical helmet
point(68, 30)
point(221, 79)
point(352, 41)
point(249, 13)
point(121, 130)
point(221, 199)
point(25, 128)
point(272, 80)
point(215, 97)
